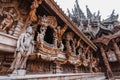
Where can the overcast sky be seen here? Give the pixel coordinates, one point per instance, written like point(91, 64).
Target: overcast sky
point(105, 6)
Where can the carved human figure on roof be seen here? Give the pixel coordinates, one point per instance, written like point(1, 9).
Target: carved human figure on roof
point(8, 21)
point(55, 38)
point(25, 47)
point(61, 47)
point(40, 37)
point(80, 52)
point(60, 31)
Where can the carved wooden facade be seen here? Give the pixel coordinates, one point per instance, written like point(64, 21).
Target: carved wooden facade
point(104, 34)
point(59, 46)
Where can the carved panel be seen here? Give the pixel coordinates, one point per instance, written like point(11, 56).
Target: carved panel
point(11, 17)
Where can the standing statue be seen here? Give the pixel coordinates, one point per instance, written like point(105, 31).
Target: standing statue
point(25, 47)
point(61, 47)
point(40, 37)
point(80, 52)
point(55, 38)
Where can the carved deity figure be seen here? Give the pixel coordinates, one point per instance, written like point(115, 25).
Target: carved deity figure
point(68, 45)
point(40, 37)
point(8, 21)
point(34, 6)
point(80, 52)
point(55, 38)
point(25, 47)
point(61, 47)
point(60, 31)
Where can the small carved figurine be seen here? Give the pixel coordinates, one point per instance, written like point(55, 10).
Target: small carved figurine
point(8, 21)
point(40, 37)
point(61, 47)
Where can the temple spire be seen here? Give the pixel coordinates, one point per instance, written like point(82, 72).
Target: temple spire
point(80, 13)
point(112, 18)
point(89, 14)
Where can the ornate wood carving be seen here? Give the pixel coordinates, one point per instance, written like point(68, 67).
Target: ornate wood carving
point(61, 32)
point(25, 47)
point(109, 71)
point(34, 6)
point(50, 53)
point(48, 21)
point(111, 55)
point(117, 50)
point(12, 17)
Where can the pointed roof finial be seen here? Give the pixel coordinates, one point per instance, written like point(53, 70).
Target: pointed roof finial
point(89, 14)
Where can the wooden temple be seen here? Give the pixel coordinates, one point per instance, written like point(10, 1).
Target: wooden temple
point(104, 34)
point(36, 37)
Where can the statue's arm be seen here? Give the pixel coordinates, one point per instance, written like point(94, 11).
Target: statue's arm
point(33, 43)
point(22, 41)
point(18, 44)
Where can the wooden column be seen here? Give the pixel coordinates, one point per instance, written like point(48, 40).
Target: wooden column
point(117, 50)
point(91, 60)
point(109, 71)
point(58, 67)
point(76, 69)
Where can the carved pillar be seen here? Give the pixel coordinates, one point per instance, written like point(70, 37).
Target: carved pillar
point(91, 61)
point(76, 69)
point(117, 50)
point(55, 41)
point(73, 47)
point(68, 46)
point(58, 67)
point(55, 38)
point(109, 71)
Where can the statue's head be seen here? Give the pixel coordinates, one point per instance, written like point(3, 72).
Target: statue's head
point(29, 30)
